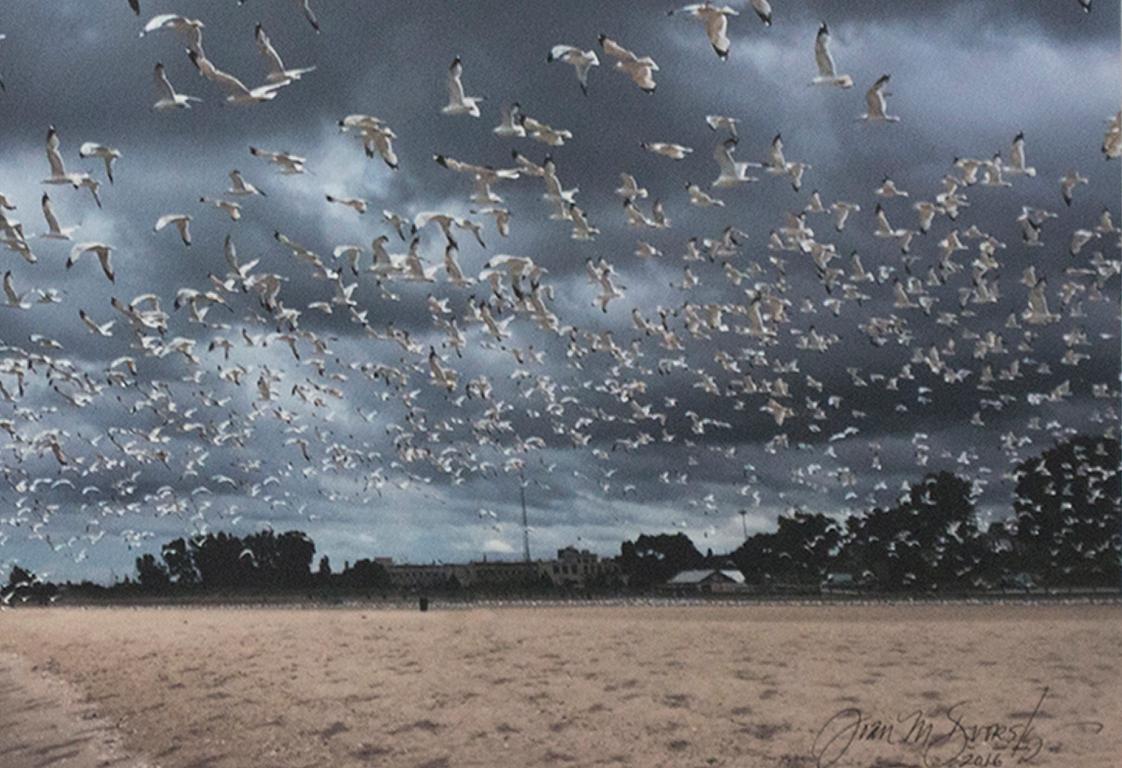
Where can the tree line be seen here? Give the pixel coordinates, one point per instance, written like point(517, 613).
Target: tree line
point(1065, 531)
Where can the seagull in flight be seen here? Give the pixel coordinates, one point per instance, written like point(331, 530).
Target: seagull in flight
point(109, 155)
point(14, 300)
point(716, 21)
point(55, 231)
point(458, 103)
point(289, 164)
point(640, 70)
point(763, 10)
point(1017, 165)
point(733, 172)
point(875, 99)
point(581, 61)
point(54, 159)
point(1068, 182)
point(181, 221)
point(239, 186)
point(191, 29)
point(169, 99)
point(236, 91)
point(101, 250)
point(827, 70)
point(278, 73)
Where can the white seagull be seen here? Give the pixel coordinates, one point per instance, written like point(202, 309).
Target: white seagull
point(169, 99)
point(875, 99)
point(181, 221)
point(101, 250)
point(827, 71)
point(278, 73)
point(458, 103)
point(763, 10)
point(640, 69)
point(732, 172)
point(109, 155)
point(191, 29)
point(1017, 166)
point(237, 92)
point(581, 61)
point(54, 159)
point(55, 231)
point(239, 186)
point(1068, 182)
point(14, 300)
point(716, 21)
point(289, 164)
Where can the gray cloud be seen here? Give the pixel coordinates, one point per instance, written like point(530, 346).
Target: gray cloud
point(966, 78)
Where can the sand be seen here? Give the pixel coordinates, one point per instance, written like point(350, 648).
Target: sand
point(730, 686)
point(46, 722)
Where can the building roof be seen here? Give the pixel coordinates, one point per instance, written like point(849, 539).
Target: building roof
point(697, 577)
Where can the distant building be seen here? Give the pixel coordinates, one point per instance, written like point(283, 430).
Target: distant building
point(436, 576)
point(707, 581)
point(500, 574)
point(579, 568)
point(573, 569)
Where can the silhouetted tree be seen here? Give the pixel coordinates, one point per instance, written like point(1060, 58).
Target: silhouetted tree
point(222, 561)
point(151, 574)
point(24, 586)
point(179, 563)
point(1068, 513)
point(19, 578)
point(364, 574)
point(323, 573)
point(653, 560)
point(800, 551)
point(928, 541)
point(293, 564)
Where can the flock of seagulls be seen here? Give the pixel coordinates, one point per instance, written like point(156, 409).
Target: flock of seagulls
point(425, 354)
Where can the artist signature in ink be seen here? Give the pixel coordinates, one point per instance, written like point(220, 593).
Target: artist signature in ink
point(947, 738)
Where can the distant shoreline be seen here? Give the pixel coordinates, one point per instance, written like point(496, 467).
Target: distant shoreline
point(437, 602)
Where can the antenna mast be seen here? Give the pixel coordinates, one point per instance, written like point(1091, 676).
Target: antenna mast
point(525, 522)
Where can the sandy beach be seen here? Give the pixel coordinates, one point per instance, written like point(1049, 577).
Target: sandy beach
point(628, 686)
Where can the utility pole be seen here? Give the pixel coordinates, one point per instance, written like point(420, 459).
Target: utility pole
point(525, 521)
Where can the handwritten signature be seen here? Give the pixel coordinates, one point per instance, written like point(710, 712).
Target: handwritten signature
point(947, 739)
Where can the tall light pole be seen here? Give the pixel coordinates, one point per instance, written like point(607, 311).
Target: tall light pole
point(525, 521)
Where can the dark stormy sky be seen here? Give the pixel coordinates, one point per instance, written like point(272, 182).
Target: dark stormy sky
point(966, 77)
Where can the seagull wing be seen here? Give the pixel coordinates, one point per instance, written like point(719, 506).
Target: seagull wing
point(10, 290)
point(163, 85)
point(455, 83)
point(775, 154)
point(53, 155)
point(49, 215)
point(874, 98)
point(276, 65)
point(822, 54)
point(310, 15)
point(723, 155)
point(162, 20)
point(563, 53)
point(617, 51)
